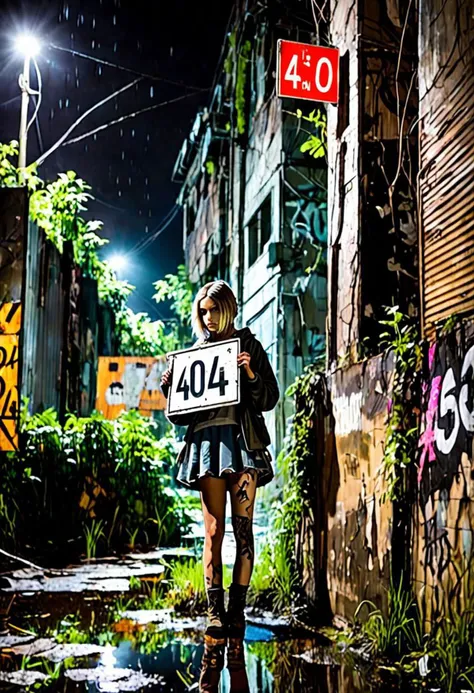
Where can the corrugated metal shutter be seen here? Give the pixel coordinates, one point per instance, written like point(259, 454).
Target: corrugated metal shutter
point(447, 207)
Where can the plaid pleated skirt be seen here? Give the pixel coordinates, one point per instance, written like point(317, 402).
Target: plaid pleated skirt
point(219, 450)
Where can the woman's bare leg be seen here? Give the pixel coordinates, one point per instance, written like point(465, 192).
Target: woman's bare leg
point(243, 488)
point(213, 497)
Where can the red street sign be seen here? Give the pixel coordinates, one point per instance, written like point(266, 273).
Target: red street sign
point(308, 72)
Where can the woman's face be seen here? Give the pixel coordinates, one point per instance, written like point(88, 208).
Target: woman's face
point(209, 312)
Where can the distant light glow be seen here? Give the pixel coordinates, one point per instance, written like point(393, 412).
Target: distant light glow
point(118, 262)
point(108, 660)
point(27, 45)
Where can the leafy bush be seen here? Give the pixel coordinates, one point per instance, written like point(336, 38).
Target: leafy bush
point(92, 484)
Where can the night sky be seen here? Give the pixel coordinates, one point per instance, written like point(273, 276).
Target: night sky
point(128, 165)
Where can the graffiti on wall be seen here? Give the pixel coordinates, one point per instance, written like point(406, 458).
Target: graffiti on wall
point(13, 216)
point(10, 323)
point(448, 424)
point(129, 382)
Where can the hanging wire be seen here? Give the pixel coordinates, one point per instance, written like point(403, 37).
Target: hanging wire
point(38, 93)
point(146, 242)
point(126, 69)
point(125, 117)
point(59, 142)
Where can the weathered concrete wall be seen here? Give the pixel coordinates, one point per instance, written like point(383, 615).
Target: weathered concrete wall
point(360, 533)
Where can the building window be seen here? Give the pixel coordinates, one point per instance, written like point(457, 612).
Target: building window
point(259, 231)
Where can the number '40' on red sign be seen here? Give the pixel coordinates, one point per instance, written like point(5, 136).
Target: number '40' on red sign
point(308, 72)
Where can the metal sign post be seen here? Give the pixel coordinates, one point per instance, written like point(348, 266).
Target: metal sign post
point(308, 72)
point(204, 377)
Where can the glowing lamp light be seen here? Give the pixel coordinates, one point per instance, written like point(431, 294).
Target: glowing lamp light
point(118, 262)
point(27, 45)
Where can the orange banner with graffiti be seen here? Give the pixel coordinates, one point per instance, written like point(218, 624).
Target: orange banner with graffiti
point(10, 324)
point(129, 382)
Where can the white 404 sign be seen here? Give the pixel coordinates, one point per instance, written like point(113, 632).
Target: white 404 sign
point(204, 377)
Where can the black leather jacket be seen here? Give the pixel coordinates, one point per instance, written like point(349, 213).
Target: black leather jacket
point(257, 396)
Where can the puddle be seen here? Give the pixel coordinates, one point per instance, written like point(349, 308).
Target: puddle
point(64, 639)
point(152, 659)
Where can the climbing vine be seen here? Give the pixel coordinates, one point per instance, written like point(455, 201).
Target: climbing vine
point(240, 83)
point(316, 144)
point(401, 440)
point(295, 463)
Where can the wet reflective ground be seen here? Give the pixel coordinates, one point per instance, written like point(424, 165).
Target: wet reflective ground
point(134, 658)
point(107, 637)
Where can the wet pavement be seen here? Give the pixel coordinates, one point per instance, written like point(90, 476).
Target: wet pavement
point(84, 629)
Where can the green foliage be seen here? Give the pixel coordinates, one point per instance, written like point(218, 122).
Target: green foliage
point(401, 440)
point(93, 533)
point(108, 481)
point(440, 660)
point(276, 575)
point(187, 590)
point(141, 336)
point(451, 649)
point(58, 208)
point(229, 60)
point(9, 172)
point(316, 144)
point(210, 167)
point(240, 86)
point(178, 289)
point(399, 632)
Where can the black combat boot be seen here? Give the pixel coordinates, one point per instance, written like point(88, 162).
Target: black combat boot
point(235, 613)
point(239, 682)
point(211, 665)
point(215, 613)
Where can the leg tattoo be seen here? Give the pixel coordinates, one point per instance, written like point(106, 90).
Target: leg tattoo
point(243, 536)
point(213, 574)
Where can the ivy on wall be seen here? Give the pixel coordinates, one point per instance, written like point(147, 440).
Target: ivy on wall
point(401, 442)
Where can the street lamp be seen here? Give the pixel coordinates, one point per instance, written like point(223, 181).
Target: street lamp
point(118, 262)
point(29, 46)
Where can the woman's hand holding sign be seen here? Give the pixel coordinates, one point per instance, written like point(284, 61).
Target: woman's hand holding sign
point(243, 361)
point(166, 377)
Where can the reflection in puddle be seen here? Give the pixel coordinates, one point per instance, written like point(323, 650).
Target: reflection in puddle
point(104, 651)
point(150, 659)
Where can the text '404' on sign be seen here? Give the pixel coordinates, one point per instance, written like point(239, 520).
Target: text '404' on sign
point(204, 377)
point(308, 72)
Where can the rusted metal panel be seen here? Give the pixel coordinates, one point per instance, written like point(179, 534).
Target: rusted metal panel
point(129, 382)
point(447, 164)
point(50, 336)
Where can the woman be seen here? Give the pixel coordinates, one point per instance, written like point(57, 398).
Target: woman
point(226, 450)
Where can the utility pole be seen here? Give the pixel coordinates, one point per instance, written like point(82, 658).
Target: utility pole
point(28, 46)
point(25, 98)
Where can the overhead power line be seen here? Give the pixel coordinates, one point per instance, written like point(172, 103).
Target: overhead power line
point(127, 69)
point(125, 117)
point(59, 142)
point(151, 238)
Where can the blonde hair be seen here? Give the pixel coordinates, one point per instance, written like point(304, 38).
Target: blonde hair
point(225, 300)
